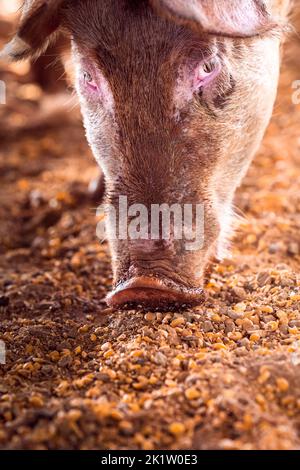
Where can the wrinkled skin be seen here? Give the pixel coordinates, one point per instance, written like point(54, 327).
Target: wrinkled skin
point(161, 139)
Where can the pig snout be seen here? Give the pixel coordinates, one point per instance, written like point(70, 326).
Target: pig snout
point(148, 276)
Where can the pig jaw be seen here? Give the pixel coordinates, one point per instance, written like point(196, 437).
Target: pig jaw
point(153, 292)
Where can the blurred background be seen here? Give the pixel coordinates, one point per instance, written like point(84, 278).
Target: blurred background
point(42, 142)
point(47, 212)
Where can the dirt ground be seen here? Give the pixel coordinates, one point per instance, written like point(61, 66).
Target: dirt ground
point(225, 375)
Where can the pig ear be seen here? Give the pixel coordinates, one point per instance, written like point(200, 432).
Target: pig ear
point(234, 18)
point(40, 20)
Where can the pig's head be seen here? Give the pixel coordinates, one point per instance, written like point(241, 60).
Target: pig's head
point(176, 96)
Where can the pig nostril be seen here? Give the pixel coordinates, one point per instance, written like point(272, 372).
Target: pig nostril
point(148, 291)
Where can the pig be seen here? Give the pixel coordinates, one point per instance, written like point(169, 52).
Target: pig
point(176, 96)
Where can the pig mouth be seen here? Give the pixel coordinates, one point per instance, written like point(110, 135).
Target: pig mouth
point(147, 291)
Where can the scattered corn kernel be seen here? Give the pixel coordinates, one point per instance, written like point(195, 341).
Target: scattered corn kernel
point(177, 322)
point(150, 316)
point(36, 401)
point(192, 393)
point(108, 353)
point(282, 384)
point(255, 337)
point(177, 429)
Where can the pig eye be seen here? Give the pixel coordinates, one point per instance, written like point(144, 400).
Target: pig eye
point(89, 80)
point(207, 71)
